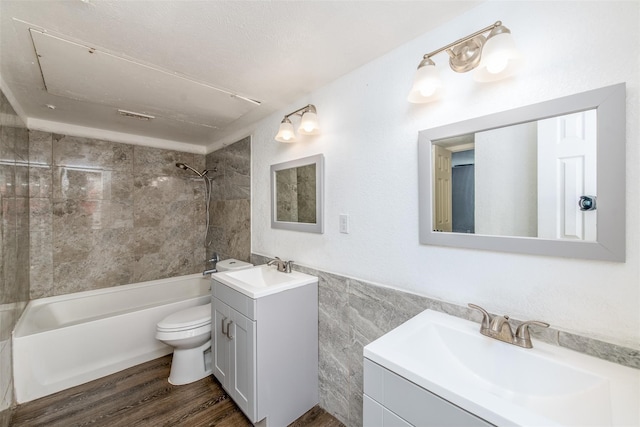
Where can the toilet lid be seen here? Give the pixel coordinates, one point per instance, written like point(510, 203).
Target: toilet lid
point(189, 318)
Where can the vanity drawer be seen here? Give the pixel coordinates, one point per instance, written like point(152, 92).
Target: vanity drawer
point(413, 403)
point(234, 299)
point(376, 415)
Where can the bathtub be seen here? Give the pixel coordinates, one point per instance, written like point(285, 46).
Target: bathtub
point(67, 340)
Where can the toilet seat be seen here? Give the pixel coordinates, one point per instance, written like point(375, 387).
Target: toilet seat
point(190, 318)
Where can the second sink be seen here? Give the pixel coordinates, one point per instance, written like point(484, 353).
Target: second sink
point(505, 384)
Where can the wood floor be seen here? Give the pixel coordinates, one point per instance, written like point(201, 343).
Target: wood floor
point(141, 396)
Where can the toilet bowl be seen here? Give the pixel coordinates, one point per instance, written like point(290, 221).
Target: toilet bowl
point(188, 331)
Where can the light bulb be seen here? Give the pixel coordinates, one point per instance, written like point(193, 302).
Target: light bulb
point(285, 132)
point(309, 123)
point(500, 57)
point(497, 63)
point(426, 83)
point(428, 89)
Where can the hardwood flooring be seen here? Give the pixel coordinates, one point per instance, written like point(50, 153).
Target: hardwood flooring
point(142, 396)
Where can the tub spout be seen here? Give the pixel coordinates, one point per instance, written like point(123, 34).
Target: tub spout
point(213, 270)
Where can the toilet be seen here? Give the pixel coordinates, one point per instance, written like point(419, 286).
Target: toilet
point(188, 331)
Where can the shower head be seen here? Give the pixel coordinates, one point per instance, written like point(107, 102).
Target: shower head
point(187, 167)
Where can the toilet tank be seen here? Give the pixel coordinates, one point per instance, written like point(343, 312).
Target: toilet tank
point(231, 265)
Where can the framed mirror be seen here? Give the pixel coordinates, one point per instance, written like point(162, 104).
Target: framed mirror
point(297, 192)
point(545, 179)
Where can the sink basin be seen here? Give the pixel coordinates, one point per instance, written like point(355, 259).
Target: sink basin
point(505, 384)
point(263, 280)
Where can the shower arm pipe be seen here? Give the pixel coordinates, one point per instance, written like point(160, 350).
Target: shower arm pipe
point(193, 170)
point(186, 166)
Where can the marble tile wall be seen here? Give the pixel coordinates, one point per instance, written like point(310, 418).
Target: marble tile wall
point(353, 313)
point(306, 192)
point(296, 201)
point(287, 199)
point(230, 215)
point(106, 214)
point(14, 240)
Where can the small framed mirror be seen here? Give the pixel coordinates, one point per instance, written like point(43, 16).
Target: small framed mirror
point(545, 179)
point(297, 192)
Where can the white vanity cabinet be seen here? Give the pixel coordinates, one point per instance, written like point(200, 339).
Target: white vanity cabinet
point(265, 351)
point(392, 401)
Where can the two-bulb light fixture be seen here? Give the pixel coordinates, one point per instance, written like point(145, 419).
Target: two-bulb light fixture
point(493, 57)
point(308, 124)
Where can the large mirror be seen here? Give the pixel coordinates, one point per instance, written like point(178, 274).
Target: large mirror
point(297, 194)
point(546, 179)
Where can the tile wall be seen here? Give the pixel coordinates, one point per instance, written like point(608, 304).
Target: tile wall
point(352, 313)
point(14, 240)
point(106, 214)
point(230, 214)
point(296, 201)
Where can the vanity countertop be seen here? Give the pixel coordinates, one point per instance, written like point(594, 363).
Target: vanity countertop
point(505, 384)
point(263, 280)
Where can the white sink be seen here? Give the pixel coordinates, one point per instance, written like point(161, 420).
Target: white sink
point(505, 384)
point(263, 280)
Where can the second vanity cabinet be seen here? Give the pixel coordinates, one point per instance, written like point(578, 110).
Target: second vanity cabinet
point(265, 351)
point(393, 401)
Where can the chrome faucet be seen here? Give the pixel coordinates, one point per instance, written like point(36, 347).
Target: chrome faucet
point(283, 266)
point(498, 327)
point(214, 259)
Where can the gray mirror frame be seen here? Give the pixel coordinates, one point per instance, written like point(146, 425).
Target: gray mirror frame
point(318, 227)
point(610, 243)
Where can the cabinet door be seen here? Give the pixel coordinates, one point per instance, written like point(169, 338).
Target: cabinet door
point(220, 318)
point(242, 333)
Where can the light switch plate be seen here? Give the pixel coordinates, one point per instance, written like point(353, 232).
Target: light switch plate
point(344, 223)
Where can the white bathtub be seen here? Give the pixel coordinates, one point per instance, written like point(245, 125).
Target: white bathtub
point(67, 340)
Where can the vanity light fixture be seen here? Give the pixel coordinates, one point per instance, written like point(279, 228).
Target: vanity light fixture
point(308, 124)
point(493, 57)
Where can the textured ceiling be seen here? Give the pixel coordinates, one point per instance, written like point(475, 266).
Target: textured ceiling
point(193, 65)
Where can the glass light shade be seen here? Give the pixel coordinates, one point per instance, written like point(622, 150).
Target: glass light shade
point(500, 59)
point(309, 124)
point(285, 132)
point(426, 85)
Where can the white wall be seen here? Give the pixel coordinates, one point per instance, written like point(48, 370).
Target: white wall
point(369, 139)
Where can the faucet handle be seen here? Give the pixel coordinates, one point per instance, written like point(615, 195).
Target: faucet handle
point(486, 318)
point(523, 337)
point(288, 265)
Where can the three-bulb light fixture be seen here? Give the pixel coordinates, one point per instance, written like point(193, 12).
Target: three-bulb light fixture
point(308, 124)
point(493, 57)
